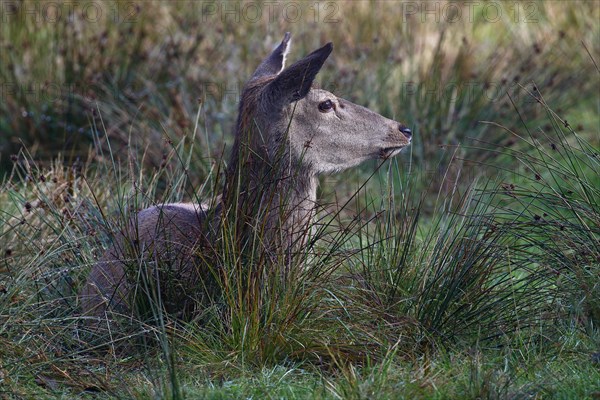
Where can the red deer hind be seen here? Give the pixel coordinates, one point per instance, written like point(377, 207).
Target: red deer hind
point(287, 134)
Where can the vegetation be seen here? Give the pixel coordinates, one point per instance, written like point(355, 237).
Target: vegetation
point(469, 267)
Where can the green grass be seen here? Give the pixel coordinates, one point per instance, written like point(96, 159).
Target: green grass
point(468, 267)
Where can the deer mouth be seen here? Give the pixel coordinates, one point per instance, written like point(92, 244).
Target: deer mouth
point(390, 151)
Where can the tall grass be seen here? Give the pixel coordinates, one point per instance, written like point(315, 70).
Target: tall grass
point(145, 72)
point(553, 210)
point(504, 261)
point(470, 270)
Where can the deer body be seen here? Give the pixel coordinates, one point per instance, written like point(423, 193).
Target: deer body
point(287, 134)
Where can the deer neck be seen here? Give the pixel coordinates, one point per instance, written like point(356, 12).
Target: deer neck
point(277, 199)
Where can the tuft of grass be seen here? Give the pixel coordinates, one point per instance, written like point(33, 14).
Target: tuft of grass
point(551, 205)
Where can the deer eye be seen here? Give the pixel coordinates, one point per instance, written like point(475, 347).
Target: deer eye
point(326, 106)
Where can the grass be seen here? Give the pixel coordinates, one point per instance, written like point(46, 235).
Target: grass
point(469, 268)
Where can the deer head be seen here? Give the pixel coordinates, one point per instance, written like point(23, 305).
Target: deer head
point(317, 131)
point(289, 132)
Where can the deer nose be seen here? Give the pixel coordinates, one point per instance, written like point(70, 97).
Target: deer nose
point(405, 131)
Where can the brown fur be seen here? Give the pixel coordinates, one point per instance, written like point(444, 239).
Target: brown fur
point(284, 140)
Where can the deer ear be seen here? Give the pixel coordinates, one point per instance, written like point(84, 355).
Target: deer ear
point(273, 64)
point(294, 82)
